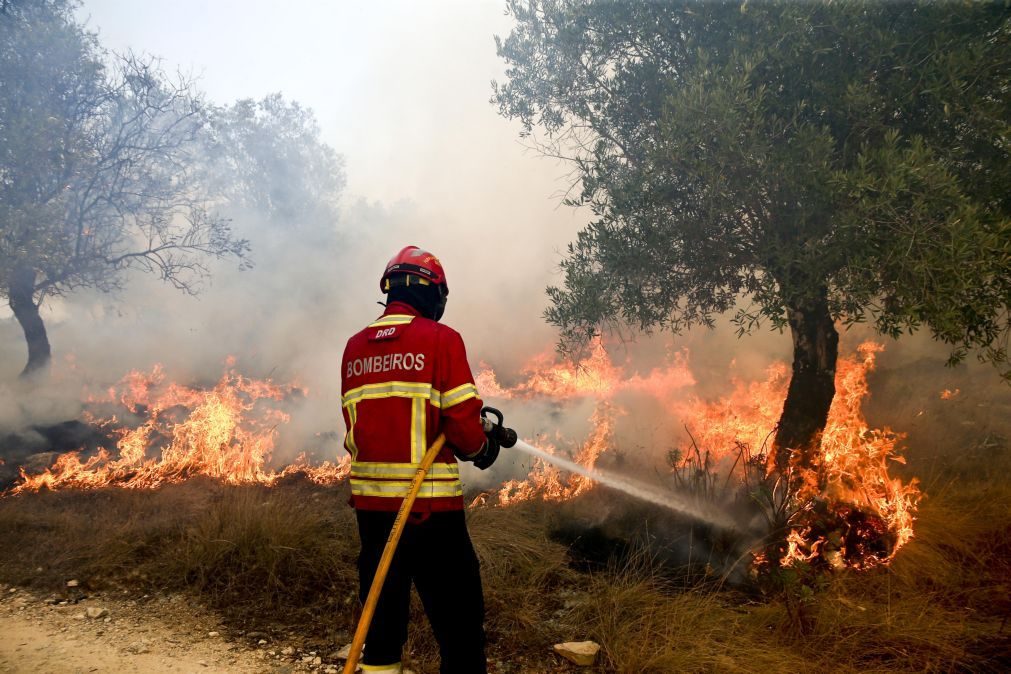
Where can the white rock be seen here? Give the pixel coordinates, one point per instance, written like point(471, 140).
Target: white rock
point(317, 660)
point(73, 583)
point(262, 642)
point(212, 634)
point(344, 653)
point(287, 650)
point(583, 653)
point(96, 612)
point(79, 616)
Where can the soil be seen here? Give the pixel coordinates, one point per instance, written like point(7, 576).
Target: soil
point(137, 634)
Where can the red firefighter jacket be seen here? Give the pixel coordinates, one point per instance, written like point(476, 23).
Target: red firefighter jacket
point(405, 379)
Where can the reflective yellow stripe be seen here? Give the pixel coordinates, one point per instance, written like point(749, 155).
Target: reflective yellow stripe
point(389, 389)
point(411, 389)
point(349, 441)
point(418, 393)
point(392, 319)
point(419, 442)
point(402, 471)
point(400, 488)
point(457, 395)
point(395, 667)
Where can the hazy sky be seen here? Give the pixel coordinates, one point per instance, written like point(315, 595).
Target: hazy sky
point(400, 88)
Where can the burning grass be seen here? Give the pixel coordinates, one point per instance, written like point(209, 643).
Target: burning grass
point(850, 510)
point(166, 432)
point(281, 559)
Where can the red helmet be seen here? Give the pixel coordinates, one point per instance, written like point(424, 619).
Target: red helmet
point(416, 262)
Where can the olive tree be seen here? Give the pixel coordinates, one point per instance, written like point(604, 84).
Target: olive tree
point(799, 165)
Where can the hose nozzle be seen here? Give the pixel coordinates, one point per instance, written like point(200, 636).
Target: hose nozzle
point(505, 437)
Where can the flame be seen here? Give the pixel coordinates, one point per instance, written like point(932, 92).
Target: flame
point(854, 471)
point(551, 484)
point(849, 512)
point(227, 433)
point(595, 376)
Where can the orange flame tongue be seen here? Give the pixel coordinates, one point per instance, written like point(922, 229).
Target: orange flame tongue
point(856, 513)
point(226, 433)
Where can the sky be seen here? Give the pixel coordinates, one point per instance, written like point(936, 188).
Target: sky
point(401, 89)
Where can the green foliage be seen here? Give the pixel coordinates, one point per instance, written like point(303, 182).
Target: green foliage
point(762, 152)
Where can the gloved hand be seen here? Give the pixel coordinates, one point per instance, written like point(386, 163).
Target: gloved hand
point(488, 453)
point(497, 436)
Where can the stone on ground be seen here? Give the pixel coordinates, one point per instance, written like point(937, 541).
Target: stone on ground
point(583, 653)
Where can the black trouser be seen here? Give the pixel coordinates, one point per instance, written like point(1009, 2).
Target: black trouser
point(438, 556)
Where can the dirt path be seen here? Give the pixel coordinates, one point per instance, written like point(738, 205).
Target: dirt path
point(167, 634)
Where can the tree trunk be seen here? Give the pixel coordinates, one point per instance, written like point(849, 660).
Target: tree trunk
point(812, 386)
point(22, 302)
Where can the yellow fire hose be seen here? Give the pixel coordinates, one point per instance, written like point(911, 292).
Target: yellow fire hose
point(384, 562)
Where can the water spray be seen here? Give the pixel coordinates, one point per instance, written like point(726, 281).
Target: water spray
point(507, 438)
point(634, 488)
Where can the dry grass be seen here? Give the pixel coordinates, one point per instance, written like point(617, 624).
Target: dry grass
point(267, 558)
point(282, 560)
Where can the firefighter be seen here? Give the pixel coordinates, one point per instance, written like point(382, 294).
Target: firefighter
point(405, 380)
